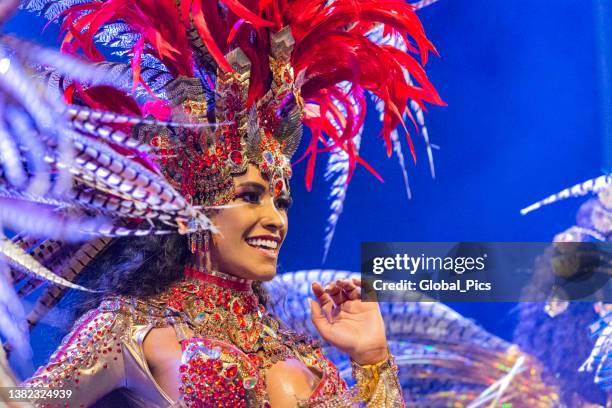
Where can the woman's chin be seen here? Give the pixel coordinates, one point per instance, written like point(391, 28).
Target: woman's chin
point(263, 275)
point(266, 276)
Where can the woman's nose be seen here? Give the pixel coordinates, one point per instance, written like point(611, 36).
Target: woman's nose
point(272, 217)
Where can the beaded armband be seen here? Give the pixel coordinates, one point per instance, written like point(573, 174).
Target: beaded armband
point(373, 380)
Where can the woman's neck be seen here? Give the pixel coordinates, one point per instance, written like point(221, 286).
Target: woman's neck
point(218, 278)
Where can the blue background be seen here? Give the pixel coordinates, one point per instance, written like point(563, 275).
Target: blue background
point(529, 113)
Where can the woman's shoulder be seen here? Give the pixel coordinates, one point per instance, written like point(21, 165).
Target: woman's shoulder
point(132, 310)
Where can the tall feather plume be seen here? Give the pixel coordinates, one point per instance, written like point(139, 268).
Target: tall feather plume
point(331, 46)
point(338, 170)
point(322, 42)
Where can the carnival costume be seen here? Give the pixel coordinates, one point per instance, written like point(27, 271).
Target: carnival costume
point(218, 86)
point(588, 377)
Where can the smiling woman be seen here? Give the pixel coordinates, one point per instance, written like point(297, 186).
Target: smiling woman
point(251, 232)
point(202, 147)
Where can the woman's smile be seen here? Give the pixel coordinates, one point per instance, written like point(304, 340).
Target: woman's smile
point(267, 245)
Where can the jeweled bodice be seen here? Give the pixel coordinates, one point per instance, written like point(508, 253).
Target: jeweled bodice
point(234, 340)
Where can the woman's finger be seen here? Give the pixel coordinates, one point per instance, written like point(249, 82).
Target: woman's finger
point(319, 318)
point(323, 298)
point(336, 293)
point(352, 291)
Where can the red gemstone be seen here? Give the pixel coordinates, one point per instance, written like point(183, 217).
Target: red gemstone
point(236, 157)
point(278, 187)
point(236, 308)
point(231, 371)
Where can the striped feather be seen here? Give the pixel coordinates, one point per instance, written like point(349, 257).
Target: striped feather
point(22, 260)
point(67, 267)
point(594, 185)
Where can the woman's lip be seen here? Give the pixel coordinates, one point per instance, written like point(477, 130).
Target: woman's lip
point(270, 253)
point(278, 240)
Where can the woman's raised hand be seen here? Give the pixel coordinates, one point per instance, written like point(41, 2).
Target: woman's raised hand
point(343, 320)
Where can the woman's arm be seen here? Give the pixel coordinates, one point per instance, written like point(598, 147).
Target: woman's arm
point(89, 362)
point(357, 328)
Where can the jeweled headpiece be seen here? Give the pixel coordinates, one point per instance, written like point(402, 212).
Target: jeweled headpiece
point(201, 162)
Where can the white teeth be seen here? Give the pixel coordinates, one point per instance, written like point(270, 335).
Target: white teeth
point(264, 243)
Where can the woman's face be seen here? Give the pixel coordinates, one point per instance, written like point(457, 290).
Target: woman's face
point(250, 235)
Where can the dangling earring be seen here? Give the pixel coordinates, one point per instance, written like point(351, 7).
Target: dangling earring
point(207, 238)
point(199, 243)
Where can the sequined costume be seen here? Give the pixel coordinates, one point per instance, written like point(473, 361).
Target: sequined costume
point(234, 341)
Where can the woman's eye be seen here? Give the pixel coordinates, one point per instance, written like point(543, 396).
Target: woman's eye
point(283, 203)
point(249, 197)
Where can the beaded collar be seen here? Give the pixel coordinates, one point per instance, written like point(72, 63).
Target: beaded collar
point(223, 307)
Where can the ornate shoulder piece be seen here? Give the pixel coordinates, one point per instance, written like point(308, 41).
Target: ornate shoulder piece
point(89, 360)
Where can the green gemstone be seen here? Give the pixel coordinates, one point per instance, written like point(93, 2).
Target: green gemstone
point(249, 383)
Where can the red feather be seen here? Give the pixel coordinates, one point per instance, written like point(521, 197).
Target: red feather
point(246, 14)
point(209, 41)
point(331, 46)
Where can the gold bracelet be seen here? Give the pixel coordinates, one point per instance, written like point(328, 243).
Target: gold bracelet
point(368, 375)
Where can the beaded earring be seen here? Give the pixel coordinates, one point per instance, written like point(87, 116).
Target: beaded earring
point(199, 242)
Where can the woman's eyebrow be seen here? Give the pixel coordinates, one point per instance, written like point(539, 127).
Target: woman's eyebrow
point(254, 185)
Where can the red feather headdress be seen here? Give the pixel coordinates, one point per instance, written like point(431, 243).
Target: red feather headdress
point(332, 59)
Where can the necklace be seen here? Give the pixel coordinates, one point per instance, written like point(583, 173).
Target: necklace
point(225, 308)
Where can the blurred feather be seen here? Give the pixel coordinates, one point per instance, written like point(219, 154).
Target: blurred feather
point(7, 7)
point(69, 268)
point(595, 185)
point(43, 221)
point(21, 259)
point(338, 168)
point(10, 156)
point(12, 314)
